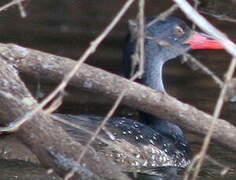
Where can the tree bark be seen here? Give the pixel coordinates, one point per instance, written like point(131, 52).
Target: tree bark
point(51, 144)
point(53, 68)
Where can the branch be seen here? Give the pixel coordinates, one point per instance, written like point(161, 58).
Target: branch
point(49, 142)
point(53, 68)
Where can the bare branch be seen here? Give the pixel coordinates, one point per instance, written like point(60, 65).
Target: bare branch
point(93, 45)
point(51, 144)
point(52, 68)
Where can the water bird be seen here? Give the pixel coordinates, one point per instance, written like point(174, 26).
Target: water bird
point(154, 142)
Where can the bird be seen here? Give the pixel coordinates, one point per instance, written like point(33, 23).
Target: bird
point(152, 142)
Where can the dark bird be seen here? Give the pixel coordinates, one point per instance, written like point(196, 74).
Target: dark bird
point(153, 142)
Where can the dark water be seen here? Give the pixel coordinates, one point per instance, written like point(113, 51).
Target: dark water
point(21, 170)
point(66, 28)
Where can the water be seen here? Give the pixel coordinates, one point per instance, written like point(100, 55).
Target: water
point(21, 170)
point(66, 30)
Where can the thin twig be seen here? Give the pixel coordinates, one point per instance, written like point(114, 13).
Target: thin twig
point(21, 9)
point(190, 167)
point(137, 56)
point(93, 137)
point(141, 37)
point(213, 161)
point(12, 3)
point(97, 41)
point(99, 137)
point(119, 99)
point(195, 6)
point(187, 173)
point(219, 17)
point(205, 69)
point(91, 49)
point(163, 15)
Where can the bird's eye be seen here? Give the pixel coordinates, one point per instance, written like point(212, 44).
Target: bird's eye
point(179, 30)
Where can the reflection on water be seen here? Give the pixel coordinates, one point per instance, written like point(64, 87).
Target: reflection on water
point(67, 31)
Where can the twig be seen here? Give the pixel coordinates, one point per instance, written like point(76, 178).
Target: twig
point(141, 37)
point(21, 9)
point(137, 56)
point(187, 173)
point(163, 15)
point(6, 6)
point(218, 81)
point(108, 116)
point(119, 99)
point(213, 161)
point(219, 17)
point(104, 140)
point(91, 49)
point(190, 167)
point(196, 4)
point(216, 114)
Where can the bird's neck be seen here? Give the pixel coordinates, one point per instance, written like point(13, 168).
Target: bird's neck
point(153, 68)
point(161, 126)
point(166, 128)
point(153, 74)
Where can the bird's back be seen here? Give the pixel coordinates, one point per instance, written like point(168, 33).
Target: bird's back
point(141, 147)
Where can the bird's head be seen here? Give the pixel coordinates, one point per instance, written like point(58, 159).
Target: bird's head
point(173, 37)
